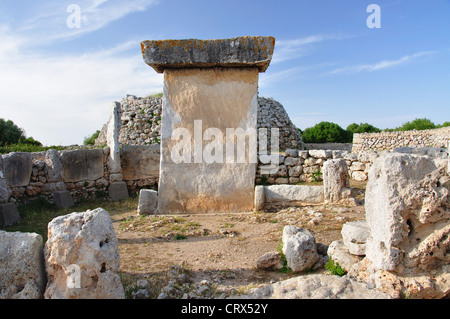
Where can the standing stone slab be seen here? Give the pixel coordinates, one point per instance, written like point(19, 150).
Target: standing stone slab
point(63, 199)
point(9, 214)
point(140, 161)
point(80, 165)
point(210, 87)
point(148, 202)
point(17, 169)
point(118, 191)
point(335, 179)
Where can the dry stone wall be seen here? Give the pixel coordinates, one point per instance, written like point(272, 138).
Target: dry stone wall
point(141, 122)
point(83, 172)
point(390, 140)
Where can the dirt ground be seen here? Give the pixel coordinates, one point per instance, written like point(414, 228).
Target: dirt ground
point(220, 248)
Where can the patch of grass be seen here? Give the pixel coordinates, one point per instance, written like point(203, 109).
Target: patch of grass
point(36, 214)
point(334, 268)
point(285, 268)
point(179, 237)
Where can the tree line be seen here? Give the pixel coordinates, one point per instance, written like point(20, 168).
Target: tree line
point(329, 132)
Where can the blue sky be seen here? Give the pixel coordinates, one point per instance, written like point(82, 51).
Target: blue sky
point(58, 83)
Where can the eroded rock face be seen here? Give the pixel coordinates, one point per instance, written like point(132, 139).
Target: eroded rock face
point(318, 287)
point(407, 212)
point(22, 273)
point(300, 248)
point(82, 257)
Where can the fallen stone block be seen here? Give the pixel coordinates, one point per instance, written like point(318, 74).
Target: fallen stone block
point(354, 236)
point(270, 260)
point(300, 249)
point(341, 255)
point(148, 202)
point(285, 195)
point(22, 270)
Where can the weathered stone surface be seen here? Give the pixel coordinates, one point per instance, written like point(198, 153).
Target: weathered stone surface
point(54, 166)
point(402, 199)
point(81, 165)
point(63, 199)
point(112, 138)
point(17, 169)
point(82, 257)
point(299, 247)
point(293, 194)
point(9, 214)
point(340, 254)
point(148, 201)
point(193, 53)
point(354, 235)
point(407, 214)
point(197, 100)
point(260, 198)
point(317, 287)
point(4, 191)
point(140, 161)
point(118, 191)
point(22, 270)
point(335, 179)
point(270, 260)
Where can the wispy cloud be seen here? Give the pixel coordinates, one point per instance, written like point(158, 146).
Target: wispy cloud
point(49, 24)
point(385, 64)
point(296, 48)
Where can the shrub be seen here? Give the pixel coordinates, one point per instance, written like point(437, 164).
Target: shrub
point(417, 124)
point(91, 140)
point(326, 132)
point(362, 128)
point(334, 268)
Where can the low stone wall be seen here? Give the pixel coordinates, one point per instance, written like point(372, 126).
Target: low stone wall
point(83, 172)
point(390, 140)
point(301, 166)
point(329, 146)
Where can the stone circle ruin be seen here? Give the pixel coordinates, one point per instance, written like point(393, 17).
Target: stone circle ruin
point(400, 250)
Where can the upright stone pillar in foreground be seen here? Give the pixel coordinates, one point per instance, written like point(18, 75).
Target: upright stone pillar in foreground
point(208, 132)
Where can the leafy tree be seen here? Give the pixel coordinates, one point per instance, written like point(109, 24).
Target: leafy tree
point(445, 124)
point(362, 128)
point(90, 140)
point(417, 124)
point(10, 133)
point(326, 132)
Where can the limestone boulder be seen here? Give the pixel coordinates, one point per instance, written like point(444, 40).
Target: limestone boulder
point(22, 269)
point(299, 247)
point(354, 235)
point(341, 255)
point(82, 257)
point(317, 287)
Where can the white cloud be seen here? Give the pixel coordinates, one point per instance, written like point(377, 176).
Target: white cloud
point(379, 65)
point(50, 23)
point(296, 48)
point(62, 98)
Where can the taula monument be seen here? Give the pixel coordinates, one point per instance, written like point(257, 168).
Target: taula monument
point(209, 120)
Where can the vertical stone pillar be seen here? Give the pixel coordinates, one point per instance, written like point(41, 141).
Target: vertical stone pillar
point(208, 130)
point(336, 181)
